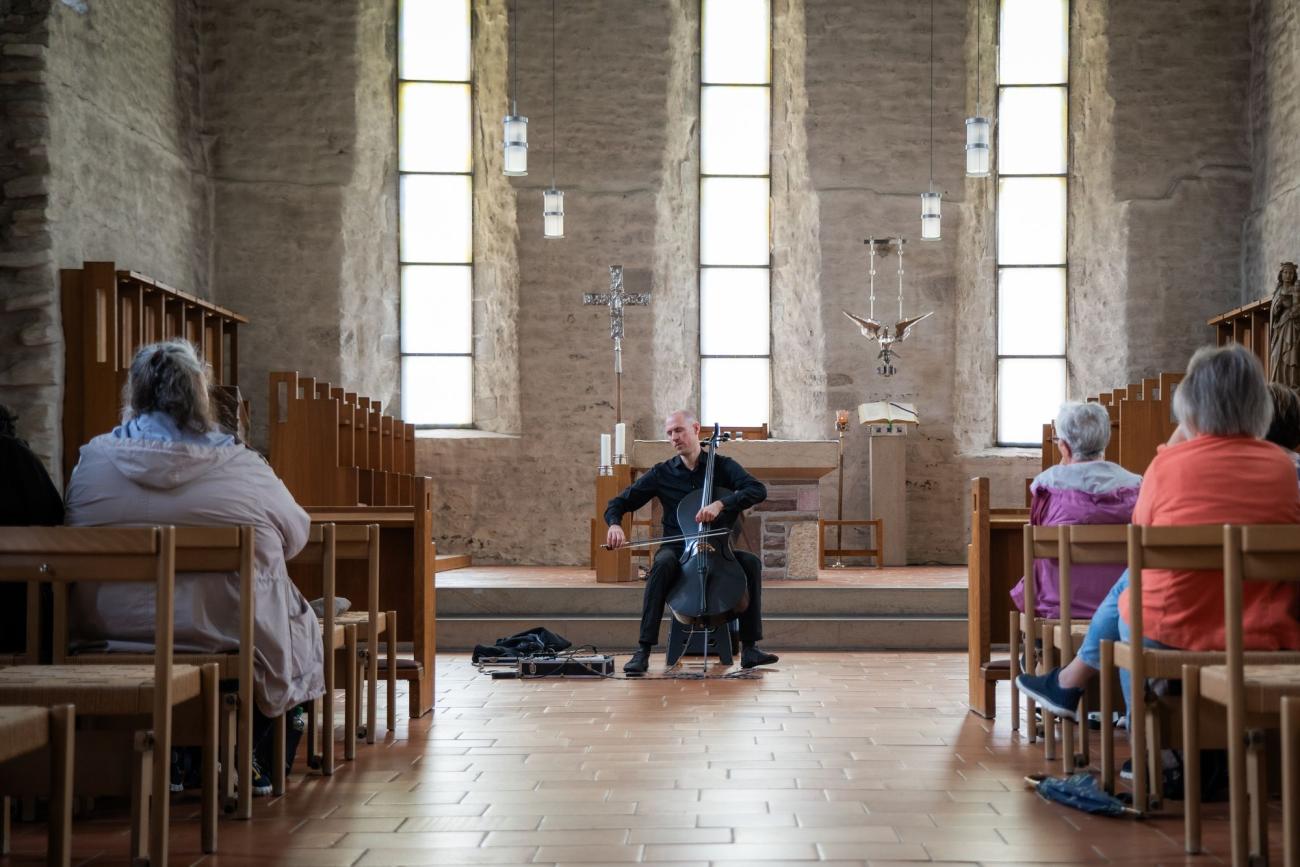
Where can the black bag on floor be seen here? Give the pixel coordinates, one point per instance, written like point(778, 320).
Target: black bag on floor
point(531, 642)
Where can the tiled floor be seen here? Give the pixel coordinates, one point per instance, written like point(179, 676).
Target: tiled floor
point(865, 758)
point(574, 576)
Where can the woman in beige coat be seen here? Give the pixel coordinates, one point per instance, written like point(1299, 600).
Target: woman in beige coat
point(166, 464)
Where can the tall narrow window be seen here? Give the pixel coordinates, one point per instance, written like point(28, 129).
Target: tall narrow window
point(435, 177)
point(735, 189)
point(1032, 167)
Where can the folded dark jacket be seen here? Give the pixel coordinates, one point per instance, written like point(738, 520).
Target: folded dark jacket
point(531, 642)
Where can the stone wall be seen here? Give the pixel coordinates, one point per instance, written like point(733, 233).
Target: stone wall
point(108, 164)
point(1270, 232)
point(298, 107)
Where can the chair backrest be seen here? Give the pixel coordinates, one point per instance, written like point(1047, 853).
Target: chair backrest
point(225, 549)
point(1253, 553)
point(1192, 548)
point(1040, 543)
point(320, 551)
point(1087, 543)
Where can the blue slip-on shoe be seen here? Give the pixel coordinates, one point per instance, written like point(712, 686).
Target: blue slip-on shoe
point(1046, 689)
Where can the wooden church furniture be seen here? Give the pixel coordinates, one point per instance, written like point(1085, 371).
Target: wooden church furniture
point(347, 463)
point(360, 544)
point(48, 734)
point(739, 432)
point(1025, 629)
point(122, 693)
point(1256, 697)
point(876, 551)
point(1141, 420)
point(216, 549)
point(109, 313)
point(1080, 544)
point(318, 558)
point(995, 562)
point(1247, 325)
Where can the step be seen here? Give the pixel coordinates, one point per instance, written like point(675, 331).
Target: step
point(625, 599)
point(780, 631)
point(448, 562)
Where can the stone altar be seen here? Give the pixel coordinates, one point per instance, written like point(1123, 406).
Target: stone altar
point(782, 530)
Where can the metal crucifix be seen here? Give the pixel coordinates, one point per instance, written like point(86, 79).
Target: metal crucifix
point(617, 299)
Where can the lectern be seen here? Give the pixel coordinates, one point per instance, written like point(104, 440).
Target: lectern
point(887, 424)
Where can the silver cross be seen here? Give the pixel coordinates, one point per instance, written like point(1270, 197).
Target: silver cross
point(617, 299)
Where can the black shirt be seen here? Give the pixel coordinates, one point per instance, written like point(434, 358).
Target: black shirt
point(670, 481)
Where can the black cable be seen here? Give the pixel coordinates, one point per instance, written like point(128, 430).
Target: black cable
point(555, 106)
point(931, 95)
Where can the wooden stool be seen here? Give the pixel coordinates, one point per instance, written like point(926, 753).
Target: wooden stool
point(720, 641)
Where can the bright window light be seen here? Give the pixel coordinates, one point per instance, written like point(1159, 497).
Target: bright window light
point(734, 391)
point(1031, 221)
point(436, 212)
point(734, 129)
point(735, 36)
point(1030, 390)
point(1031, 131)
point(735, 307)
point(1031, 311)
point(437, 390)
point(1033, 42)
point(434, 40)
point(734, 221)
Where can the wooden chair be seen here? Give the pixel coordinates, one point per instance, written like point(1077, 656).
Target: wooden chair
point(59, 556)
point(1025, 627)
point(361, 542)
point(320, 551)
point(1193, 548)
point(1080, 543)
point(49, 734)
point(1256, 697)
point(220, 549)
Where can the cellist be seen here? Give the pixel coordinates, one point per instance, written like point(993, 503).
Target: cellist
point(670, 481)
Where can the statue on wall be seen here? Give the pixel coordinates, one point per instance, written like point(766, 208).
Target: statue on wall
point(1284, 328)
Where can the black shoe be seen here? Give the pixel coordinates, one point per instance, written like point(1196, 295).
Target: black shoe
point(639, 662)
point(1046, 689)
point(751, 656)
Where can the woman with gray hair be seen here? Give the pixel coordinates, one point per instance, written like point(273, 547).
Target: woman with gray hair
point(167, 464)
point(1214, 470)
point(1083, 488)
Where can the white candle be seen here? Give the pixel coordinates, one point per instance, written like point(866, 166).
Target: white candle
point(604, 450)
point(620, 439)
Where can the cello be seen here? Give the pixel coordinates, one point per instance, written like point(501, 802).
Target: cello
point(712, 589)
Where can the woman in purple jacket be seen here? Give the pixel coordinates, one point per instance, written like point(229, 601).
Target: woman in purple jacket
point(1082, 489)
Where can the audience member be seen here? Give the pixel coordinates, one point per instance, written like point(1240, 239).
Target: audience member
point(1084, 488)
point(1284, 430)
point(1215, 470)
point(167, 464)
point(27, 498)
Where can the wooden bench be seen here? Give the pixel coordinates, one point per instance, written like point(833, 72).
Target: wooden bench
point(108, 314)
point(49, 732)
point(995, 562)
point(347, 463)
point(1141, 420)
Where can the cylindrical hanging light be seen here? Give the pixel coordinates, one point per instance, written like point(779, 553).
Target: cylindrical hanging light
point(977, 147)
point(930, 216)
point(516, 144)
point(553, 213)
point(977, 127)
point(515, 133)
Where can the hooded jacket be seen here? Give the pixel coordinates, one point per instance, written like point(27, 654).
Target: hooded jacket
point(1089, 492)
point(146, 472)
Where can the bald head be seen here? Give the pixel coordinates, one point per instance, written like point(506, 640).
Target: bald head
point(682, 429)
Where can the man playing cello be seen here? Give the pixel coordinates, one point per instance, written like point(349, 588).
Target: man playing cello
point(670, 481)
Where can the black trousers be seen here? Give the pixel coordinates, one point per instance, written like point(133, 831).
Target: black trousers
point(663, 576)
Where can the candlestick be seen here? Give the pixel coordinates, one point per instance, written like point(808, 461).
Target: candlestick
point(841, 425)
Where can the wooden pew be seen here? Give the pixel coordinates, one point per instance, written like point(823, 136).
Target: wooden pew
point(347, 463)
point(1141, 419)
point(1247, 325)
point(995, 562)
point(108, 314)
